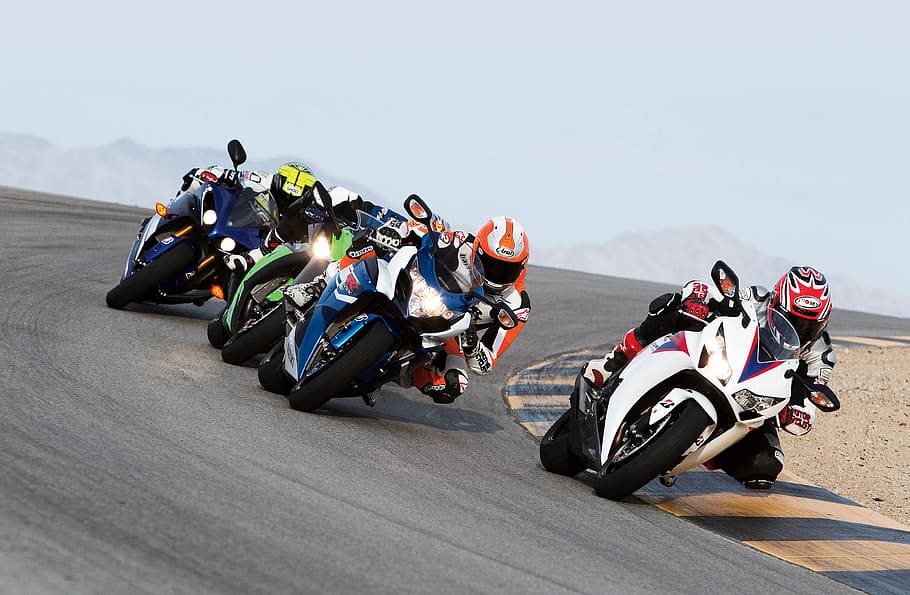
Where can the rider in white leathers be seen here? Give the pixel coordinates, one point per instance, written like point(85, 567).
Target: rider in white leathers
point(803, 297)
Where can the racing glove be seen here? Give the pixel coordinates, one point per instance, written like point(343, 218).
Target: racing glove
point(797, 419)
point(238, 262)
point(389, 236)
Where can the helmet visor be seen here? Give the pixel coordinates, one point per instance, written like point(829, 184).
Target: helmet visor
point(807, 328)
point(501, 272)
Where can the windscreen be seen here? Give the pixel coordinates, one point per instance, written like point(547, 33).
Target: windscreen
point(253, 209)
point(777, 337)
point(457, 269)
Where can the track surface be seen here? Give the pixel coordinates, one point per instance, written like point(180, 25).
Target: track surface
point(133, 460)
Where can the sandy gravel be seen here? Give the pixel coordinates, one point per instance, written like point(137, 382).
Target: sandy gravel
point(862, 452)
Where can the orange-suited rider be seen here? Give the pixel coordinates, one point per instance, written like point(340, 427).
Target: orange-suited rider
point(502, 247)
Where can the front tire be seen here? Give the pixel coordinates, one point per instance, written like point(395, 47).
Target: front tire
point(141, 283)
point(256, 339)
point(662, 454)
point(555, 453)
point(338, 376)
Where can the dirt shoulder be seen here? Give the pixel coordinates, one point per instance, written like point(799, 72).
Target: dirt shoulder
point(862, 452)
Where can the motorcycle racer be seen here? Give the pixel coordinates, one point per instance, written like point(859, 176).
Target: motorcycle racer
point(802, 296)
point(503, 248)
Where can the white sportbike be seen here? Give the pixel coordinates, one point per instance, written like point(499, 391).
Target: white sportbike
point(686, 398)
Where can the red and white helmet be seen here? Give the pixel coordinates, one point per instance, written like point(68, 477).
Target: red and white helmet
point(802, 296)
point(503, 249)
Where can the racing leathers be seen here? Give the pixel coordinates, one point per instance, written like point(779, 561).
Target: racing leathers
point(757, 459)
point(477, 349)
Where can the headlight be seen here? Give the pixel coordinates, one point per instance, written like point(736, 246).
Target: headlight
point(209, 217)
point(227, 244)
point(425, 301)
point(750, 401)
point(320, 248)
point(717, 364)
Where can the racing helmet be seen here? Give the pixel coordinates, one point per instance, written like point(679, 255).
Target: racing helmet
point(503, 248)
point(292, 181)
point(803, 297)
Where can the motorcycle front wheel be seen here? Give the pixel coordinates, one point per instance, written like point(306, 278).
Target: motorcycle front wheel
point(143, 282)
point(338, 376)
point(663, 452)
point(255, 339)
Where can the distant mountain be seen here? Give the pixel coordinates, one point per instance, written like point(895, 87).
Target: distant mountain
point(123, 171)
point(669, 256)
point(129, 173)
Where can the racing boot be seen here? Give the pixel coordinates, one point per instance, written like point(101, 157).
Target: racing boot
point(598, 370)
point(303, 294)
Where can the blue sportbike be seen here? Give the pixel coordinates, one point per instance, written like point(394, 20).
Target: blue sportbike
point(377, 316)
point(178, 254)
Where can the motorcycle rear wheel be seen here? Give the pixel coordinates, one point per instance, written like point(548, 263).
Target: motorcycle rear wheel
point(555, 453)
point(140, 284)
point(662, 454)
point(338, 376)
point(217, 333)
point(271, 372)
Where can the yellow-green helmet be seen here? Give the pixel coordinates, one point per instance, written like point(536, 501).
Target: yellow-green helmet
point(292, 181)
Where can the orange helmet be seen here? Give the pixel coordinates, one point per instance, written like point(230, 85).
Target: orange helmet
point(503, 248)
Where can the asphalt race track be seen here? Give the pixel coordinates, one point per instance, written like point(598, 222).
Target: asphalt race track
point(132, 459)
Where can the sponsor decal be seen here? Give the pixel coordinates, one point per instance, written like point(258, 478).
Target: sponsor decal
point(667, 403)
point(168, 240)
point(350, 284)
point(191, 274)
point(505, 252)
point(699, 290)
point(522, 314)
point(808, 302)
point(360, 317)
point(208, 176)
point(358, 253)
point(314, 214)
point(444, 240)
point(482, 361)
point(460, 236)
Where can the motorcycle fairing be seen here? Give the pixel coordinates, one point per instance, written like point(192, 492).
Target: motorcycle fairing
point(753, 366)
point(282, 253)
point(350, 285)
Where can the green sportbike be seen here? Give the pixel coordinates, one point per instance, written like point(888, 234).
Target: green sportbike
point(254, 316)
point(253, 319)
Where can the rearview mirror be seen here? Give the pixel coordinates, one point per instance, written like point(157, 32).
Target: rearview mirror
point(823, 397)
point(236, 152)
point(725, 279)
point(418, 210)
point(727, 284)
point(504, 316)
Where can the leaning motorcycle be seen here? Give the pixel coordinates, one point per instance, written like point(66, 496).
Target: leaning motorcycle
point(253, 319)
point(686, 398)
point(177, 256)
point(376, 317)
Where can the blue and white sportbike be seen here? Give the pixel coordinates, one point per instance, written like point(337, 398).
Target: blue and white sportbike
point(178, 254)
point(376, 317)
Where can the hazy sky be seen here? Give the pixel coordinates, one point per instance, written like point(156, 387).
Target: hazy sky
point(786, 122)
